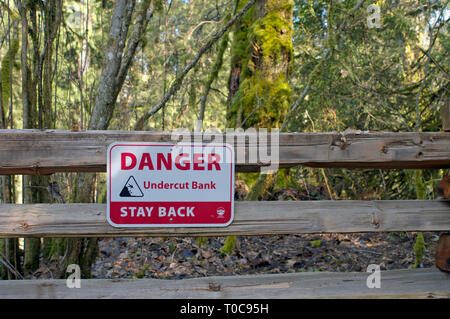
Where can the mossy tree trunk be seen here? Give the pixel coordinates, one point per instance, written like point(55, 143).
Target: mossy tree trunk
point(53, 16)
point(259, 94)
point(259, 91)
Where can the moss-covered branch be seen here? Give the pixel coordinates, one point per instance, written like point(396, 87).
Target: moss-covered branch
point(213, 75)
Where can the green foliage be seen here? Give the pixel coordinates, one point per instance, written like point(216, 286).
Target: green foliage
point(240, 46)
point(141, 273)
point(57, 247)
point(315, 243)
point(420, 185)
point(192, 94)
point(273, 35)
point(369, 81)
point(419, 249)
point(172, 247)
point(6, 69)
point(261, 102)
point(158, 5)
point(202, 241)
point(371, 77)
point(259, 187)
point(219, 62)
point(282, 179)
point(230, 243)
point(102, 194)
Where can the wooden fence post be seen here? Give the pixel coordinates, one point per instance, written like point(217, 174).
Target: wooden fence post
point(442, 259)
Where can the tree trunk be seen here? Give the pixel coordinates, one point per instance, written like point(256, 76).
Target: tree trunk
point(9, 247)
point(116, 63)
point(26, 101)
point(258, 89)
point(53, 14)
point(259, 92)
point(82, 251)
point(34, 188)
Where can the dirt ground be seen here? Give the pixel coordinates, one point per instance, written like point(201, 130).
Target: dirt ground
point(176, 258)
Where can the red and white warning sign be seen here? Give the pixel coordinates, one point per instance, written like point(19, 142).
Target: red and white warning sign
point(174, 185)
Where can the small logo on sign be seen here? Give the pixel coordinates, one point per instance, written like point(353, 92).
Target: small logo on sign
point(220, 212)
point(131, 189)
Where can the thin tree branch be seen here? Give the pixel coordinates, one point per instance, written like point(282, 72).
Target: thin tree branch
point(144, 15)
point(104, 102)
point(213, 75)
point(308, 86)
point(179, 80)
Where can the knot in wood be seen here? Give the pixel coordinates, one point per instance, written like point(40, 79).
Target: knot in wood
point(375, 221)
point(340, 141)
point(24, 225)
point(343, 142)
point(213, 286)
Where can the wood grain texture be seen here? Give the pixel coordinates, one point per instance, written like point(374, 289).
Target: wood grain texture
point(251, 218)
point(50, 151)
point(417, 283)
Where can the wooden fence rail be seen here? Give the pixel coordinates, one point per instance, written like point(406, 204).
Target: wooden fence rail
point(50, 151)
point(417, 283)
point(251, 218)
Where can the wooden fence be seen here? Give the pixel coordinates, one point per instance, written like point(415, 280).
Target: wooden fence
point(45, 152)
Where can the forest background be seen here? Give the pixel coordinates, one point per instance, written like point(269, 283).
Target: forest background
point(301, 66)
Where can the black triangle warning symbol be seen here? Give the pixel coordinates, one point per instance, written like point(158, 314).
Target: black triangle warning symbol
point(131, 189)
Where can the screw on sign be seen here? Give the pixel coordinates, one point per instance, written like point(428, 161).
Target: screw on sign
point(168, 185)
